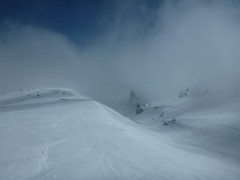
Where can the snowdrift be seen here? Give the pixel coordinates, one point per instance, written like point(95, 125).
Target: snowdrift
point(59, 134)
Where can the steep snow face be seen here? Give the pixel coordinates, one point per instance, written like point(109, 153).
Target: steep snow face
point(63, 135)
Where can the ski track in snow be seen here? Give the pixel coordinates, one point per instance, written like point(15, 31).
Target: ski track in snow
point(43, 162)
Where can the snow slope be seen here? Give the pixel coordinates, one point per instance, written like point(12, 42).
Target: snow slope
point(59, 134)
point(206, 121)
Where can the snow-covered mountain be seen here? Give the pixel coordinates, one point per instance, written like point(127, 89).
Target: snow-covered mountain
point(56, 133)
point(203, 120)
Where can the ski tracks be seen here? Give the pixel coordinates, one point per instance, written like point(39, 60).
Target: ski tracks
point(43, 162)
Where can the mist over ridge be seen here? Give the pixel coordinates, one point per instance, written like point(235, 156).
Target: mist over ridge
point(158, 52)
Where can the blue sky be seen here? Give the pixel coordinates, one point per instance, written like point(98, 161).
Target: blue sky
point(65, 16)
point(77, 19)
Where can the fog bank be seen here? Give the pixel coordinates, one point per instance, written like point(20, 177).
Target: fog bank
point(157, 52)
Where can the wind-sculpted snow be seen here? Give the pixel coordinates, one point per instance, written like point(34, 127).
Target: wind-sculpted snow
point(78, 138)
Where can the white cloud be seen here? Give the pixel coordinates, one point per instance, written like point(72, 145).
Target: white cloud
point(189, 45)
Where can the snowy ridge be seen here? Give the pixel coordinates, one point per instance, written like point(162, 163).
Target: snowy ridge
point(83, 139)
point(39, 95)
point(35, 98)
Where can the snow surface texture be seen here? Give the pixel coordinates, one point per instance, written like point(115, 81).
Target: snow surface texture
point(59, 134)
